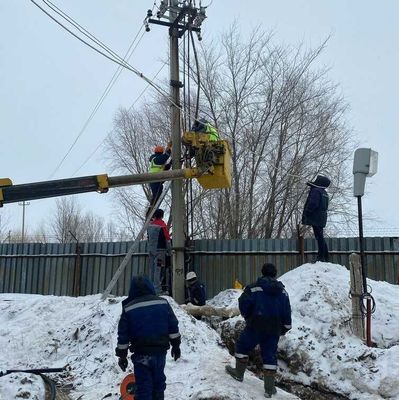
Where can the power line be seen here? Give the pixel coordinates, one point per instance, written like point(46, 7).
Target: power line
point(112, 56)
point(104, 94)
point(130, 108)
point(99, 103)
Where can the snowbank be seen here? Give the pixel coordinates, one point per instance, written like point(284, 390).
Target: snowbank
point(48, 331)
point(321, 349)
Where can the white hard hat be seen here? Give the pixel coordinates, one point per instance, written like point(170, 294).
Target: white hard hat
point(191, 275)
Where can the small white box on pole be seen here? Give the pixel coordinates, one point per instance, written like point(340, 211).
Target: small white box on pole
point(364, 164)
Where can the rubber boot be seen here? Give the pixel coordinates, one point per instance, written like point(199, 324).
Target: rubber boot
point(268, 380)
point(238, 372)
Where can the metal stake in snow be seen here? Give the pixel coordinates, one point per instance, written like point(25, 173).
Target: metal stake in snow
point(134, 246)
point(364, 164)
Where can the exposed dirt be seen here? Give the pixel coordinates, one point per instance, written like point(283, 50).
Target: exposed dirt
point(229, 335)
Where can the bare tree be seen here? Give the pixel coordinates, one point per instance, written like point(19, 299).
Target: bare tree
point(67, 218)
point(92, 228)
point(285, 121)
point(116, 233)
point(41, 234)
point(4, 226)
point(129, 146)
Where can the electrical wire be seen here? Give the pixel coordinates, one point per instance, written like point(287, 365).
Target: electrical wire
point(129, 109)
point(108, 88)
point(112, 56)
point(98, 105)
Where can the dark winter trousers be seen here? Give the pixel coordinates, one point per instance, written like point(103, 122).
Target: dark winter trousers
point(322, 254)
point(247, 341)
point(156, 190)
point(150, 378)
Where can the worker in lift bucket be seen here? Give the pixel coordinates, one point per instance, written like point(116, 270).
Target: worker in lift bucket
point(204, 126)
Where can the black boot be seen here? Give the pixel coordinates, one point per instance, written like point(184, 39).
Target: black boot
point(238, 372)
point(268, 380)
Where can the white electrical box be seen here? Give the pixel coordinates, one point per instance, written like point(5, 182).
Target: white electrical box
point(364, 164)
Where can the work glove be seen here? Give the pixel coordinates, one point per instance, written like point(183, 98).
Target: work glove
point(122, 362)
point(175, 353)
point(121, 353)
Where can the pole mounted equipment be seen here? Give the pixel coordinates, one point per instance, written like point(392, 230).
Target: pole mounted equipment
point(364, 165)
point(179, 18)
point(187, 17)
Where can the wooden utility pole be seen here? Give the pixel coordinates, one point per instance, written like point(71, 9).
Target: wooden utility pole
point(356, 292)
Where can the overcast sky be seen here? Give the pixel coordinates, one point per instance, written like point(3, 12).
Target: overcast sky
point(50, 83)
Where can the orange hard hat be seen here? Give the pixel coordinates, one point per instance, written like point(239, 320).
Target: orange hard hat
point(159, 149)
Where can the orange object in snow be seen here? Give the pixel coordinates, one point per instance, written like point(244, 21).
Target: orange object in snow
point(237, 284)
point(159, 149)
point(128, 387)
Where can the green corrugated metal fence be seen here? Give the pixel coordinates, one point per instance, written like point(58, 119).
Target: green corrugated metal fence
point(57, 269)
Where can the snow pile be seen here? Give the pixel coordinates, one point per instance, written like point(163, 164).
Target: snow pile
point(47, 331)
point(22, 386)
point(321, 350)
point(227, 299)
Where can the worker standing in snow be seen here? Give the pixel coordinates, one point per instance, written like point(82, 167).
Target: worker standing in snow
point(266, 309)
point(159, 162)
point(315, 213)
point(146, 327)
point(159, 250)
point(195, 289)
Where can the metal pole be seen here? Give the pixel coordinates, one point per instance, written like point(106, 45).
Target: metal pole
point(361, 247)
point(178, 205)
point(364, 273)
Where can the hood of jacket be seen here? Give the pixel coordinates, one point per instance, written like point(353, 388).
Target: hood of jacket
point(321, 181)
point(270, 285)
point(140, 286)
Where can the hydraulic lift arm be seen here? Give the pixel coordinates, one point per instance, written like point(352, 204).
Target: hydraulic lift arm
point(10, 193)
point(212, 170)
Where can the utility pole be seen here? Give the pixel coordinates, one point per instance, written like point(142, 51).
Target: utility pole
point(178, 205)
point(181, 18)
point(23, 204)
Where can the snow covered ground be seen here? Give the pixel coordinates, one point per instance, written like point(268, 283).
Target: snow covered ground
point(321, 348)
point(47, 331)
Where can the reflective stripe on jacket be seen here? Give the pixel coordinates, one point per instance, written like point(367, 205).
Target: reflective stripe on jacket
point(265, 306)
point(147, 324)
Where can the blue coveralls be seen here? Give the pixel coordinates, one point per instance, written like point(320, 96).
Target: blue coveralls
point(266, 308)
point(146, 327)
